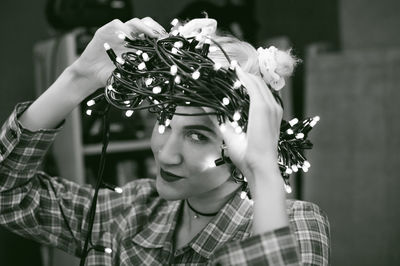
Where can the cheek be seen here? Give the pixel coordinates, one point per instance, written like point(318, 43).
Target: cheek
point(197, 161)
point(156, 140)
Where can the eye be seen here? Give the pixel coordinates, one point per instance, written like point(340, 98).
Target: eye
point(196, 137)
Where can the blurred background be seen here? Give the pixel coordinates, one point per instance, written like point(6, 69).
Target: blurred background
point(349, 77)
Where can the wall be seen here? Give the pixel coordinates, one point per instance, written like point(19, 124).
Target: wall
point(354, 176)
point(370, 24)
point(21, 25)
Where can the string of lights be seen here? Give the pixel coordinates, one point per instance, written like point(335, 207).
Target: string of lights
point(176, 71)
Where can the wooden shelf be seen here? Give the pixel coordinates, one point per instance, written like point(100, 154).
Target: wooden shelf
point(117, 146)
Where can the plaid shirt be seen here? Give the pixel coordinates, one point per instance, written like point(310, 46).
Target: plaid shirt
point(138, 225)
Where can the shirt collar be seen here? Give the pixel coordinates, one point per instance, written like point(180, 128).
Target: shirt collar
point(158, 230)
point(232, 222)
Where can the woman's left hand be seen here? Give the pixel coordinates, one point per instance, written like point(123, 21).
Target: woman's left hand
point(256, 151)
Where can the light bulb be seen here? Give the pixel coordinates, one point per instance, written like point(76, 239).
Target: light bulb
point(295, 169)
point(174, 50)
point(210, 163)
point(118, 190)
point(288, 188)
point(217, 66)
point(89, 112)
point(293, 121)
point(90, 103)
point(290, 131)
point(161, 129)
point(178, 44)
point(243, 195)
point(174, 22)
point(106, 46)
point(307, 164)
point(108, 250)
point(120, 60)
point(174, 70)
point(238, 130)
point(177, 79)
point(145, 57)
point(233, 64)
point(157, 89)
point(225, 101)
point(139, 52)
point(128, 113)
point(299, 135)
point(288, 171)
point(313, 123)
point(237, 84)
point(236, 116)
point(142, 66)
point(196, 74)
point(148, 81)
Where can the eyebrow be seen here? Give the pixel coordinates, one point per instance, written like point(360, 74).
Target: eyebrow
point(200, 127)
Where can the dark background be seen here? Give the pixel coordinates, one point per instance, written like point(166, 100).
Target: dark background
point(353, 85)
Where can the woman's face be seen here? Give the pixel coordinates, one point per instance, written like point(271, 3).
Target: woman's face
point(186, 149)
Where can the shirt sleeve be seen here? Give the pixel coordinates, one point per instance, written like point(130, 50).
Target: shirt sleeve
point(305, 242)
point(50, 210)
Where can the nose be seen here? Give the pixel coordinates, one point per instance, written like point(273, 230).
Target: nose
point(170, 150)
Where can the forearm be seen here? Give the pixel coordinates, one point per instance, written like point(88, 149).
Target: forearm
point(57, 101)
point(267, 190)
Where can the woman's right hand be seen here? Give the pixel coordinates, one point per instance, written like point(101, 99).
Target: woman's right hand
point(94, 63)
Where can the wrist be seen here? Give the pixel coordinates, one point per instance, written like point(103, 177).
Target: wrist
point(266, 178)
point(81, 86)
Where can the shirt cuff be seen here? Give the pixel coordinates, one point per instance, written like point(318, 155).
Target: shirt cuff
point(21, 147)
point(277, 247)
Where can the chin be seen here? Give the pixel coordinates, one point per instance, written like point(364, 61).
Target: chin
point(168, 191)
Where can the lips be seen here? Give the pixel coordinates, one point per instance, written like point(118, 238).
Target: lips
point(169, 177)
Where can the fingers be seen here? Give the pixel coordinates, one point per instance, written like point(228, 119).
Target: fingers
point(154, 25)
point(249, 82)
point(227, 131)
point(258, 91)
point(147, 26)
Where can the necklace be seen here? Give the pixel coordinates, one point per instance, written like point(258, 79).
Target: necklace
point(197, 213)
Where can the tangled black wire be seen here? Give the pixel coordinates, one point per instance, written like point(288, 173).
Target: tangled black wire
point(176, 71)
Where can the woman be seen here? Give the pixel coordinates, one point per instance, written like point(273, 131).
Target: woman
point(191, 214)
